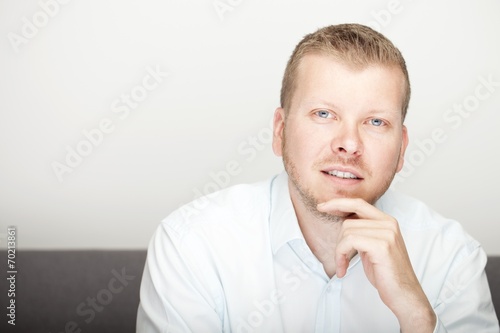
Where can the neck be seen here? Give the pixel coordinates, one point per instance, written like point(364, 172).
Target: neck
point(320, 234)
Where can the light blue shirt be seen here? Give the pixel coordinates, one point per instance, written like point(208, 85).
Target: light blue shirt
point(237, 261)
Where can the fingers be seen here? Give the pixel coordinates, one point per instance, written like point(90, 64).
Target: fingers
point(342, 262)
point(367, 238)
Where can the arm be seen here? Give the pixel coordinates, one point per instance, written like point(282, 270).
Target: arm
point(464, 303)
point(177, 289)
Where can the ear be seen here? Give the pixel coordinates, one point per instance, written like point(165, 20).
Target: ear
point(404, 144)
point(278, 128)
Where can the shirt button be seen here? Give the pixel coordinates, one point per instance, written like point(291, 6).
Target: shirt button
point(329, 289)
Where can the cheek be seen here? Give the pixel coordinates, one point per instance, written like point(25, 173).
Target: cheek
point(307, 142)
point(380, 153)
point(385, 157)
point(303, 146)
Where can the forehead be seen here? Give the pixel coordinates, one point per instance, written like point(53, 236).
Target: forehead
point(327, 79)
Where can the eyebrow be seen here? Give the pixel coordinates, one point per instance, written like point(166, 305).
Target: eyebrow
point(385, 112)
point(321, 103)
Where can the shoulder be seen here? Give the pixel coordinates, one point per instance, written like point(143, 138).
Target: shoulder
point(415, 214)
point(445, 258)
point(424, 228)
point(233, 207)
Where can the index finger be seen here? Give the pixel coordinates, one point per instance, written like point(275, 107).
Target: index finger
point(357, 206)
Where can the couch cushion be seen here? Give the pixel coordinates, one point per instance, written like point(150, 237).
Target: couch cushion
point(69, 291)
point(493, 273)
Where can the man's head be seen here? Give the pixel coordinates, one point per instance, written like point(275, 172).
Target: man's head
point(340, 128)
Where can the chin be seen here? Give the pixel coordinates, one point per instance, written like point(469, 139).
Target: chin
point(343, 194)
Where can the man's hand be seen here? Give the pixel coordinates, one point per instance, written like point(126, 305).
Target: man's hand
point(377, 238)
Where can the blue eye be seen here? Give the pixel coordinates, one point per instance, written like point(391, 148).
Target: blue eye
point(376, 122)
point(322, 113)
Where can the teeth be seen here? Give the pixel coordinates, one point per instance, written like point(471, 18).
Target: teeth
point(341, 174)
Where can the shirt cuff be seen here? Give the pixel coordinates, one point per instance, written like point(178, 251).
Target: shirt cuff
point(439, 325)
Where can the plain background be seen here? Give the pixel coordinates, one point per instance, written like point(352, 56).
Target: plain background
point(213, 111)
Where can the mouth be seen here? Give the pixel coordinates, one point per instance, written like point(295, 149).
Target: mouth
point(342, 174)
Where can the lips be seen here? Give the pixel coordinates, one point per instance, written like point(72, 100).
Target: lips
point(343, 173)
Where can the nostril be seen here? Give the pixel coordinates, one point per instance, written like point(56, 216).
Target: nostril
point(348, 149)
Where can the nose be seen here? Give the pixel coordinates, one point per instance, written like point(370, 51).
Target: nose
point(347, 140)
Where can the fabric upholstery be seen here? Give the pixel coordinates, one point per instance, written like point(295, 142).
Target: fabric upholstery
point(95, 291)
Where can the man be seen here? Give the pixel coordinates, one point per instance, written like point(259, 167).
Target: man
point(322, 247)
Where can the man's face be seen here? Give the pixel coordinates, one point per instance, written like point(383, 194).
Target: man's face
point(343, 135)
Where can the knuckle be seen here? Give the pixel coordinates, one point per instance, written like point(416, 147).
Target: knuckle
point(393, 225)
point(385, 246)
point(393, 237)
point(359, 201)
point(349, 237)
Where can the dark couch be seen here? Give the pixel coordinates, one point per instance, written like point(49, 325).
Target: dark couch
point(94, 291)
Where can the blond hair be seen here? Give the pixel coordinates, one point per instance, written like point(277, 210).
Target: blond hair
point(355, 45)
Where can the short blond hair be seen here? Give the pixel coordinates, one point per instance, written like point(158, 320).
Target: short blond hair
point(355, 45)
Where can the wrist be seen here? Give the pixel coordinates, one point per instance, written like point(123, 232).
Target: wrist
point(419, 320)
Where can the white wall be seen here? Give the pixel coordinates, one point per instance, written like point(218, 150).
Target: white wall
point(71, 72)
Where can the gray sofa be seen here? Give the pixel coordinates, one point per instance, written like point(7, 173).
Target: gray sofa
point(94, 291)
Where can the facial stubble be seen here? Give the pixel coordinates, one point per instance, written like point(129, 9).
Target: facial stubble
point(309, 200)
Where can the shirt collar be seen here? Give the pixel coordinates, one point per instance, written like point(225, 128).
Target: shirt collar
point(283, 223)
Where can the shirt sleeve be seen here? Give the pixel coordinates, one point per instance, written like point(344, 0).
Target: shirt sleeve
point(178, 290)
point(464, 304)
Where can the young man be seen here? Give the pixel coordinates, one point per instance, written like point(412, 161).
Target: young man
point(324, 246)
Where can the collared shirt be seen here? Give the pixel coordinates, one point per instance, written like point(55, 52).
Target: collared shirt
point(237, 261)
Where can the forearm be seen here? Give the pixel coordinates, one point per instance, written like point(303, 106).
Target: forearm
point(419, 320)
